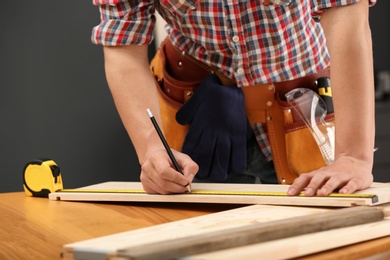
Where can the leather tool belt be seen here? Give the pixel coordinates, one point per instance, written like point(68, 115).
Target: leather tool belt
point(294, 149)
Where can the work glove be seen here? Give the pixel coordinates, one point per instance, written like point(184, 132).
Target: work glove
point(217, 135)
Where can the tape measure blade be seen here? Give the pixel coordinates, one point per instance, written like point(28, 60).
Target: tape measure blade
point(374, 197)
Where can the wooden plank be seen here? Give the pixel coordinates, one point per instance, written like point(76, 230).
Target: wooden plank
point(110, 246)
point(382, 192)
point(255, 233)
point(240, 217)
point(300, 246)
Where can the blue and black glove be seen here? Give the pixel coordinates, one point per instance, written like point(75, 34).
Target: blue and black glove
point(217, 135)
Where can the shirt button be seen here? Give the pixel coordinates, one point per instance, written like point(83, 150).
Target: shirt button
point(240, 71)
point(235, 38)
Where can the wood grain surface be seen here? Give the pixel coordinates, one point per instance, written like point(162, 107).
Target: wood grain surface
point(38, 228)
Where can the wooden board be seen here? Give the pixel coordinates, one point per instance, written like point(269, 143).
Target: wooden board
point(110, 247)
point(380, 189)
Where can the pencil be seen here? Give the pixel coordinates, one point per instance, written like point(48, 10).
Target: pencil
point(167, 148)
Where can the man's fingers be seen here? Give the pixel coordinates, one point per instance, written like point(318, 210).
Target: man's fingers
point(346, 175)
point(189, 167)
point(315, 183)
point(352, 186)
point(158, 176)
point(309, 183)
point(299, 184)
point(332, 184)
point(161, 186)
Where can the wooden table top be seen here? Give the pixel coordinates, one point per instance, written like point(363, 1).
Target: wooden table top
point(37, 228)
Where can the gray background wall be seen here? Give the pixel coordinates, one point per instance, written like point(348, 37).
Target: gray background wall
point(54, 99)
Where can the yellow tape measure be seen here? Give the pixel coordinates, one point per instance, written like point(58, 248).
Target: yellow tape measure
point(373, 197)
point(41, 177)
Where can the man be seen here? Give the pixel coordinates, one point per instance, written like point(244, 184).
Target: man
point(250, 42)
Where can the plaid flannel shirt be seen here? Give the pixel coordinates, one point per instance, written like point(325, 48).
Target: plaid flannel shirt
point(253, 41)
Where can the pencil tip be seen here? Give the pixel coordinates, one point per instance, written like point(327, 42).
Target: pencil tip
point(189, 188)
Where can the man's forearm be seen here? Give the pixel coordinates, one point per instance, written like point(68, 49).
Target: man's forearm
point(133, 89)
point(349, 43)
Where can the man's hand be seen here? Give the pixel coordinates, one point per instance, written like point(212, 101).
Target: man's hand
point(346, 175)
point(158, 174)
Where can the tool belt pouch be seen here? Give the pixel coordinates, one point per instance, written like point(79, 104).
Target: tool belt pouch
point(177, 78)
point(293, 146)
